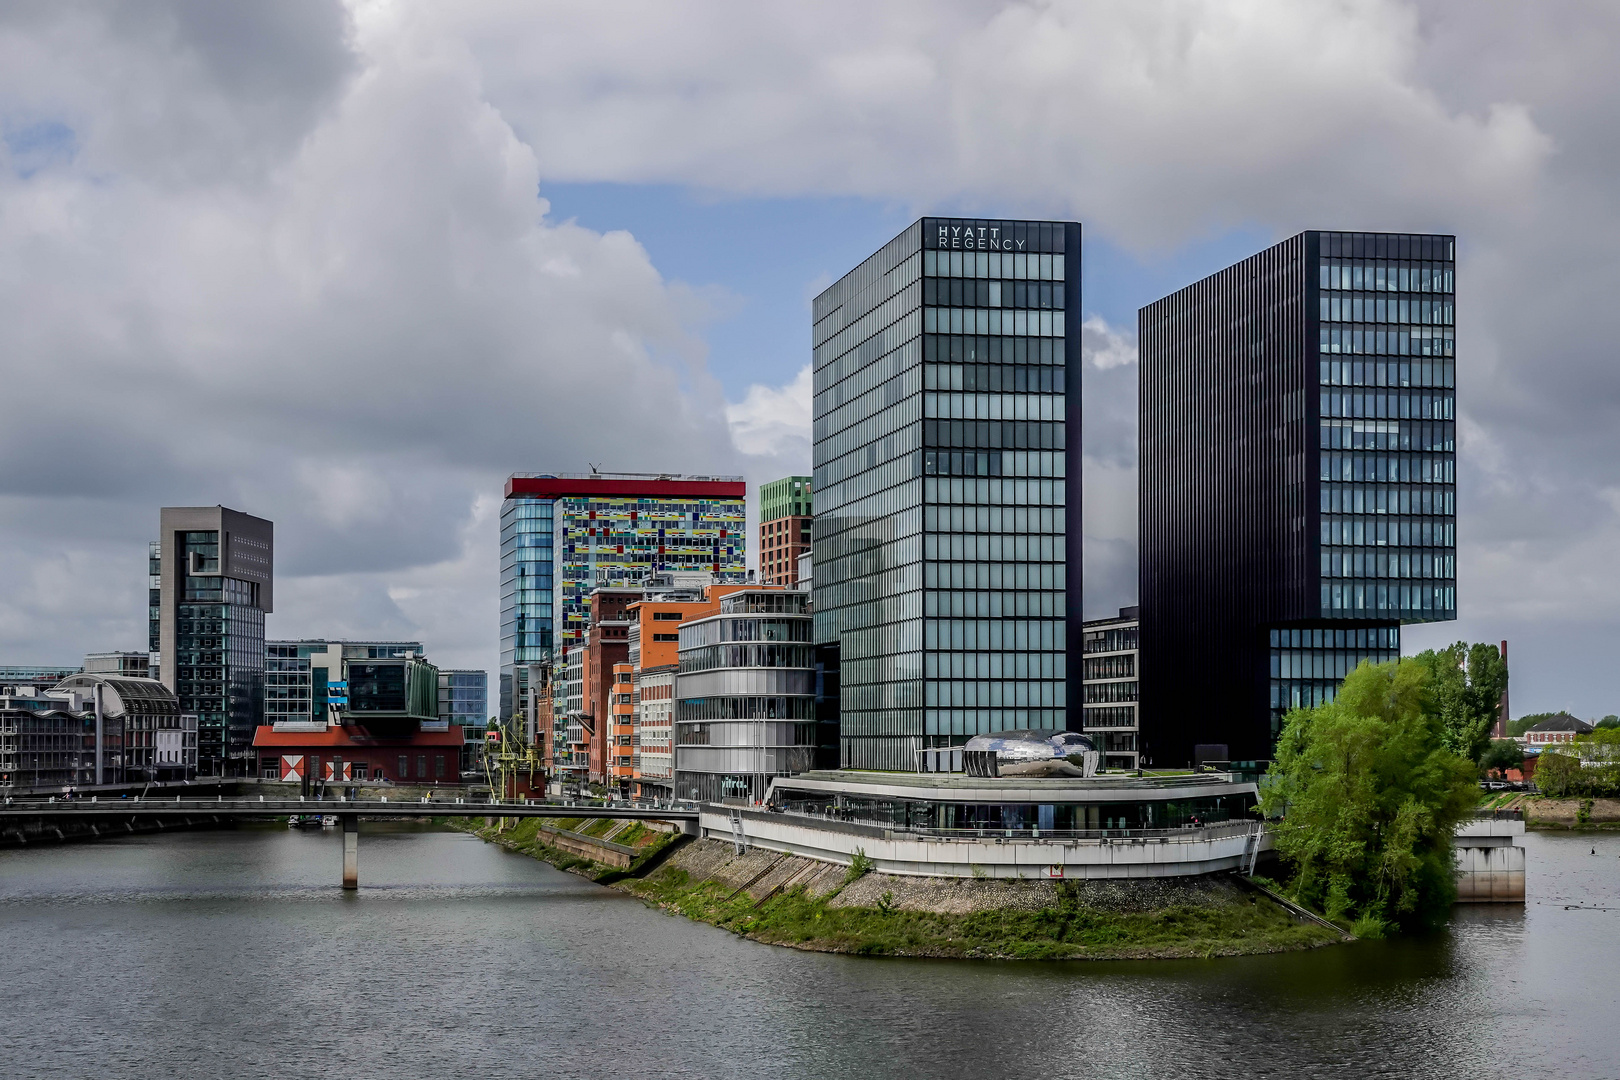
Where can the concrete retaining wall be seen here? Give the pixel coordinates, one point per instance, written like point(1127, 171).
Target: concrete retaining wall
point(1202, 851)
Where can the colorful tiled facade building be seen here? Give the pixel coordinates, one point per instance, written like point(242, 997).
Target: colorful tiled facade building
point(562, 537)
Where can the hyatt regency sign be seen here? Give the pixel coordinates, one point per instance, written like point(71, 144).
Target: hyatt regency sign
point(977, 238)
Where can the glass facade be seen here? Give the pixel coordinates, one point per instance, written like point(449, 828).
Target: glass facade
point(745, 697)
point(1112, 690)
point(213, 568)
point(296, 673)
point(464, 698)
point(219, 650)
point(561, 537)
point(947, 533)
point(1298, 480)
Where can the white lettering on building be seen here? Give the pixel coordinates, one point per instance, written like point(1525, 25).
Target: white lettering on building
point(960, 238)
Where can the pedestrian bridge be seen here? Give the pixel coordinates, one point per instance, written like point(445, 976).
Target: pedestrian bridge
point(16, 814)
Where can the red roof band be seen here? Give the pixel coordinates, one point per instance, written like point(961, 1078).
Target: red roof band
point(547, 487)
point(268, 736)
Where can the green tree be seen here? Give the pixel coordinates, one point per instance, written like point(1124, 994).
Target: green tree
point(1502, 755)
point(1369, 794)
point(1466, 683)
point(1525, 723)
point(1610, 721)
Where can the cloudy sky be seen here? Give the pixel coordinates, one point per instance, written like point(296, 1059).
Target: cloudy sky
point(346, 266)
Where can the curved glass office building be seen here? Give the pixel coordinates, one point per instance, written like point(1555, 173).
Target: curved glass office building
point(745, 697)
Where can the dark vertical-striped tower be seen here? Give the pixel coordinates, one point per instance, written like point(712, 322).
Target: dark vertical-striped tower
point(1298, 498)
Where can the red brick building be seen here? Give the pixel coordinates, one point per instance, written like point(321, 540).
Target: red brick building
point(350, 752)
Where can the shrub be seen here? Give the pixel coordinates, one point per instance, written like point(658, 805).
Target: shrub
point(859, 866)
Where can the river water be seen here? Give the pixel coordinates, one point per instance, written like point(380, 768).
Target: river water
point(236, 954)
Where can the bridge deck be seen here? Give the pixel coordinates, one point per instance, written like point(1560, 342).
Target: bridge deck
point(261, 807)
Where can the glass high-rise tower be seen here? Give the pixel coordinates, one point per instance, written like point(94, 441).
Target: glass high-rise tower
point(947, 531)
point(213, 574)
point(1298, 481)
point(562, 536)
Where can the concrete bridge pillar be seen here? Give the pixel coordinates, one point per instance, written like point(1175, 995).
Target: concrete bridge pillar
point(351, 851)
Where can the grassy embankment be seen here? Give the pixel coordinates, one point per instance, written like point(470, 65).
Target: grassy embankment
point(840, 911)
point(1541, 812)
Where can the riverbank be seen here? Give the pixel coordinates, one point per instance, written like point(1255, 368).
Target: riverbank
point(823, 907)
point(1541, 812)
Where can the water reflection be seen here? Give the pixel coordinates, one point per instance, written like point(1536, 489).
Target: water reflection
point(211, 953)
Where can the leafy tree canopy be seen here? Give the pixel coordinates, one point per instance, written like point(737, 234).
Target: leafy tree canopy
point(1610, 721)
point(1466, 683)
point(1525, 723)
point(1370, 792)
point(1502, 755)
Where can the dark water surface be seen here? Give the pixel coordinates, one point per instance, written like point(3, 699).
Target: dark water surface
point(235, 954)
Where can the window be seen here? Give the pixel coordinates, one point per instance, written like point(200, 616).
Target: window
point(666, 637)
point(404, 767)
point(438, 766)
point(667, 616)
point(359, 772)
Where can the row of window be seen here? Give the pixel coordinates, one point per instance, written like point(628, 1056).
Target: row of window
point(1440, 373)
point(745, 734)
point(974, 349)
point(994, 519)
point(975, 575)
point(1380, 309)
point(1110, 667)
point(1403, 341)
point(994, 605)
point(1388, 499)
point(780, 707)
point(995, 322)
point(714, 631)
point(1004, 491)
point(1324, 663)
point(994, 665)
point(997, 465)
point(1106, 693)
point(1113, 639)
point(1438, 435)
point(1110, 716)
point(1388, 531)
point(971, 547)
point(1012, 635)
point(994, 378)
point(1388, 468)
point(1016, 693)
point(1389, 405)
point(1412, 602)
point(1026, 266)
point(948, 292)
point(988, 406)
point(740, 656)
point(1336, 637)
point(1382, 563)
point(1386, 277)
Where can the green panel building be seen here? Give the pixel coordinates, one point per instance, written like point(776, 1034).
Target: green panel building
point(784, 529)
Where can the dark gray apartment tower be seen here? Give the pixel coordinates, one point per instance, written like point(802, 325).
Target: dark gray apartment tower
point(1298, 482)
point(947, 534)
point(212, 572)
